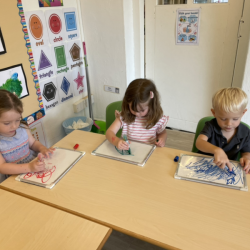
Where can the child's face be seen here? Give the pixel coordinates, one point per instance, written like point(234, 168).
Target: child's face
point(9, 122)
point(142, 110)
point(228, 122)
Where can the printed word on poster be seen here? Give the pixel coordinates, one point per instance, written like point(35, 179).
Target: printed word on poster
point(187, 27)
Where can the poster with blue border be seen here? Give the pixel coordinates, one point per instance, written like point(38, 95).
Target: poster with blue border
point(187, 26)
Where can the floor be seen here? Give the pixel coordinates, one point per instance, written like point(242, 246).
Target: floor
point(119, 241)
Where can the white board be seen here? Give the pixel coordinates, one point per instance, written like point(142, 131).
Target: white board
point(57, 166)
point(140, 152)
point(202, 169)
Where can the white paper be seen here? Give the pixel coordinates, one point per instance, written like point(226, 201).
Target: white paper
point(56, 25)
point(79, 81)
point(55, 166)
point(37, 28)
point(139, 151)
point(70, 18)
point(44, 62)
point(203, 169)
point(65, 88)
point(49, 92)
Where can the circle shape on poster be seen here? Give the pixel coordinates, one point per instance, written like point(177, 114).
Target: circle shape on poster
point(36, 27)
point(55, 24)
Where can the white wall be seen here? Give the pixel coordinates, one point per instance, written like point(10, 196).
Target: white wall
point(114, 41)
point(54, 117)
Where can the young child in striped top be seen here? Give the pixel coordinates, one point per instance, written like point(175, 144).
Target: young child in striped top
point(141, 118)
point(17, 145)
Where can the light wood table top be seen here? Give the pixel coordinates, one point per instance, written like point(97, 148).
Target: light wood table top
point(147, 202)
point(27, 224)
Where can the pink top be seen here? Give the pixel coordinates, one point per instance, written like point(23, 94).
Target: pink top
point(137, 131)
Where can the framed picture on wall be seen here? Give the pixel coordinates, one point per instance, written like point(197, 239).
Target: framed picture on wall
point(2, 44)
point(14, 80)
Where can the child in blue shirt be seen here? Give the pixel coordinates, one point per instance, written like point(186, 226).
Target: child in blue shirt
point(225, 136)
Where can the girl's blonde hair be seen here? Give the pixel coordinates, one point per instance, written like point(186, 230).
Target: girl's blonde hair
point(138, 92)
point(230, 100)
point(9, 101)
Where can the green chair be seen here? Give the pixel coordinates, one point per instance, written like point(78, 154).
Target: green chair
point(110, 115)
point(201, 125)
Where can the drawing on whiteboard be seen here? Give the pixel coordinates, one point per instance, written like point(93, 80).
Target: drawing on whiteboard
point(205, 169)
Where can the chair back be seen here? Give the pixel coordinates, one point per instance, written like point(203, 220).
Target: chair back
point(110, 114)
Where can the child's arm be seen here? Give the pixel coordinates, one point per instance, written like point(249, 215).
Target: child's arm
point(161, 138)
point(38, 147)
point(245, 162)
point(112, 138)
point(220, 157)
point(13, 168)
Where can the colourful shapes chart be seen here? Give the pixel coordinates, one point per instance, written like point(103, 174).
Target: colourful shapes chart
point(36, 27)
point(44, 62)
point(60, 56)
point(75, 52)
point(79, 81)
point(65, 85)
point(55, 23)
point(70, 21)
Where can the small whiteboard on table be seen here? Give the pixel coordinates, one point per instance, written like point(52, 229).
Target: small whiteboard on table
point(57, 166)
point(203, 170)
point(140, 152)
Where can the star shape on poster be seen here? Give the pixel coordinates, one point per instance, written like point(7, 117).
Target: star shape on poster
point(79, 81)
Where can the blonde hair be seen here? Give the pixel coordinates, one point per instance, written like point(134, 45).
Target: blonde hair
point(230, 100)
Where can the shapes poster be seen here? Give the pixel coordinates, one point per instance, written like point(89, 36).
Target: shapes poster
point(187, 27)
point(2, 44)
point(75, 54)
point(37, 28)
point(49, 91)
point(65, 88)
point(50, 3)
point(14, 80)
point(72, 30)
point(44, 62)
point(59, 52)
point(56, 26)
point(79, 81)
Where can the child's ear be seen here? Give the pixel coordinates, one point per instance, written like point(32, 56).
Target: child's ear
point(213, 112)
point(245, 110)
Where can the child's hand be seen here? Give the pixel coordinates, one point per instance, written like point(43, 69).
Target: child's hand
point(221, 159)
point(47, 151)
point(160, 142)
point(122, 145)
point(245, 163)
point(37, 166)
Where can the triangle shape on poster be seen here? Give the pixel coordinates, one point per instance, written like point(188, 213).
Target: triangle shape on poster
point(44, 62)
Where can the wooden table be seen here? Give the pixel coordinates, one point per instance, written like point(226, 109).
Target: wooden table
point(27, 224)
point(147, 202)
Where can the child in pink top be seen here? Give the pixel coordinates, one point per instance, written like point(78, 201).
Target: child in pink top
point(141, 118)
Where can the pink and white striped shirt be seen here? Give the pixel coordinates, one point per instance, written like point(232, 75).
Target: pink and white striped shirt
point(137, 130)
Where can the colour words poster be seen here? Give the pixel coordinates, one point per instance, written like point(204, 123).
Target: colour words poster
point(187, 27)
point(56, 25)
point(75, 54)
point(72, 30)
point(13, 79)
point(60, 56)
point(49, 92)
point(65, 87)
point(37, 28)
point(44, 62)
point(79, 81)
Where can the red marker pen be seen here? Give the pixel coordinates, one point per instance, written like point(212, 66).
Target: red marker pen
point(76, 146)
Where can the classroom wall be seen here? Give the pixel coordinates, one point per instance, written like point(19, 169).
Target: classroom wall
point(115, 47)
point(53, 119)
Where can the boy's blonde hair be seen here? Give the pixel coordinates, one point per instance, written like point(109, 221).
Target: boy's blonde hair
point(230, 100)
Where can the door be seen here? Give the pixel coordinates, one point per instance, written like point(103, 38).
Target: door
point(188, 76)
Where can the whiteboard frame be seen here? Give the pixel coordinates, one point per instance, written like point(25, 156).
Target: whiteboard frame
point(176, 176)
point(51, 185)
point(141, 164)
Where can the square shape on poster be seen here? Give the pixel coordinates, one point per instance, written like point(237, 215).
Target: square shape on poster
point(70, 21)
point(14, 80)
